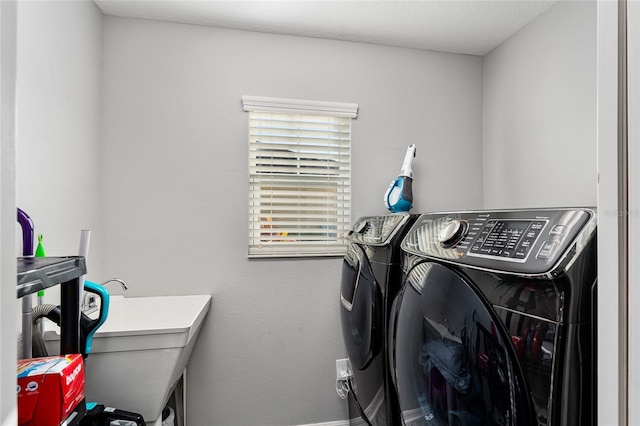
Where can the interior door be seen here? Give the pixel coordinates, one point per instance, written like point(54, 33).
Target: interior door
point(452, 361)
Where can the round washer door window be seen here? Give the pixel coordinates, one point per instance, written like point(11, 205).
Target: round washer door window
point(453, 361)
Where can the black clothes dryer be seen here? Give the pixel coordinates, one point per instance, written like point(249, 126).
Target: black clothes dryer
point(495, 322)
point(371, 277)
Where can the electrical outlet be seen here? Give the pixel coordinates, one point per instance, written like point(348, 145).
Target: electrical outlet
point(343, 369)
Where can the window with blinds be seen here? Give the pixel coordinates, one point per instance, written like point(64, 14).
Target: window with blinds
point(299, 177)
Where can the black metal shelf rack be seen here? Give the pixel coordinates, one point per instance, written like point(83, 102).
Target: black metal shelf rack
point(39, 273)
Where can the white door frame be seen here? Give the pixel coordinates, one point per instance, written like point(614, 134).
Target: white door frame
point(633, 114)
point(612, 216)
point(8, 331)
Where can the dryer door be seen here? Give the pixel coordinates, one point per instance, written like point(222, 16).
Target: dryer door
point(453, 362)
point(360, 305)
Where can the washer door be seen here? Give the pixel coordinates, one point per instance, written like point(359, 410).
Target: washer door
point(452, 361)
point(360, 305)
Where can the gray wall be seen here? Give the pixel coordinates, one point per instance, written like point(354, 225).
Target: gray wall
point(58, 126)
point(175, 192)
point(539, 131)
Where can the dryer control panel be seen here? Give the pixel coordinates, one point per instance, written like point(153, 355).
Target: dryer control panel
point(521, 241)
point(378, 230)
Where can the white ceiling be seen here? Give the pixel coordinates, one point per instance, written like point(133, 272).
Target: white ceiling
point(472, 27)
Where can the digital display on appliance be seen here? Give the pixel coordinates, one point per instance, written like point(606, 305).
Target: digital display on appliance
point(505, 234)
point(512, 225)
point(507, 238)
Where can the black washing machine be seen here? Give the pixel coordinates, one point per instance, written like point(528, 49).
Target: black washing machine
point(495, 322)
point(371, 277)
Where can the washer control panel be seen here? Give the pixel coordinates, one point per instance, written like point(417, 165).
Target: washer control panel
point(527, 241)
point(511, 239)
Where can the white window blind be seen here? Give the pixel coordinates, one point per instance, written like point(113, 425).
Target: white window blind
point(299, 178)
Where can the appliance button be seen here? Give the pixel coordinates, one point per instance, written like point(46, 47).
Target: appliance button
point(537, 226)
point(558, 230)
point(546, 250)
point(526, 243)
point(531, 234)
point(520, 253)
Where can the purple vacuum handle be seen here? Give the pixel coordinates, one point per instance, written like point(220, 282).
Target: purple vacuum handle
point(27, 232)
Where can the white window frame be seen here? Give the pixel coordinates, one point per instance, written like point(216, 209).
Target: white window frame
point(290, 213)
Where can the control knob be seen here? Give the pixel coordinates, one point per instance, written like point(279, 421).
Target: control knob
point(362, 227)
point(452, 233)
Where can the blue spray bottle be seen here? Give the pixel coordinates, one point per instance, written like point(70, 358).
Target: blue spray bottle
point(399, 196)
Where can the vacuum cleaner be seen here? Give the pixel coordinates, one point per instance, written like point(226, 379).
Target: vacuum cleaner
point(97, 414)
point(399, 196)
